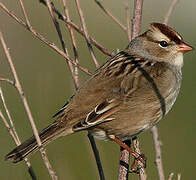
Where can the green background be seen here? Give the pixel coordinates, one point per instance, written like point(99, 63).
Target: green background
point(47, 84)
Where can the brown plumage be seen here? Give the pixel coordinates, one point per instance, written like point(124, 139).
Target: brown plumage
point(128, 94)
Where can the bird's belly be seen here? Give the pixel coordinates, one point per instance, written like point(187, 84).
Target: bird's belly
point(134, 119)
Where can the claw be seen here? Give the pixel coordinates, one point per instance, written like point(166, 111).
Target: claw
point(138, 163)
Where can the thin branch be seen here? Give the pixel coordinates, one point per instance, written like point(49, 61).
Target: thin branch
point(171, 176)
point(14, 135)
point(171, 9)
point(142, 173)
point(127, 13)
point(16, 138)
point(179, 176)
point(97, 157)
point(24, 13)
point(158, 159)
point(86, 33)
point(43, 39)
point(58, 29)
point(76, 76)
point(27, 109)
point(8, 81)
point(107, 12)
point(79, 30)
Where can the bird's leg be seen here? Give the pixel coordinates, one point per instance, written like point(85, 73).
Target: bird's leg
point(137, 156)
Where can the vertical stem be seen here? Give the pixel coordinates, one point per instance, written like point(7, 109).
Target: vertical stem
point(124, 162)
point(97, 157)
point(158, 159)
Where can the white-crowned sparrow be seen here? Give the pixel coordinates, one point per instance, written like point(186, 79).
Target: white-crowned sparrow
point(127, 95)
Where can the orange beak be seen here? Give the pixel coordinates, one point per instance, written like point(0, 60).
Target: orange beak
point(184, 47)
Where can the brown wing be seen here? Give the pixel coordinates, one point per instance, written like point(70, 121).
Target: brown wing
point(101, 95)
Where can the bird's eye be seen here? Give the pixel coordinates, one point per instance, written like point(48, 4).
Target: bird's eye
point(163, 43)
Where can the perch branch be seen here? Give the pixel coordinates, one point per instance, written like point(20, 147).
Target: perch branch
point(136, 27)
point(142, 173)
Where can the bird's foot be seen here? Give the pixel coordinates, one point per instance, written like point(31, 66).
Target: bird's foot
point(138, 163)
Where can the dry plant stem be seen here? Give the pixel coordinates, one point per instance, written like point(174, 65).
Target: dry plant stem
point(13, 133)
point(136, 28)
point(137, 18)
point(79, 30)
point(82, 20)
point(97, 157)
point(179, 176)
point(13, 129)
point(8, 81)
point(127, 12)
point(173, 5)
point(158, 159)
point(107, 12)
point(24, 13)
point(142, 173)
point(154, 130)
point(76, 76)
point(124, 162)
point(171, 176)
point(27, 109)
point(57, 26)
point(43, 39)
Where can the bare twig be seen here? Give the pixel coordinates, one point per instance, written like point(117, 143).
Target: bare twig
point(107, 12)
point(58, 29)
point(158, 159)
point(13, 133)
point(154, 130)
point(86, 33)
point(8, 81)
point(142, 173)
point(76, 77)
point(79, 30)
point(127, 12)
point(24, 13)
point(171, 9)
point(171, 176)
point(179, 176)
point(137, 18)
point(27, 109)
point(97, 157)
point(16, 139)
point(43, 39)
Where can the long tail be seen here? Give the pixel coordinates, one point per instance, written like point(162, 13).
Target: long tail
point(48, 134)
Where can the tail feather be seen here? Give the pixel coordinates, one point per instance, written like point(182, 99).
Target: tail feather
point(46, 135)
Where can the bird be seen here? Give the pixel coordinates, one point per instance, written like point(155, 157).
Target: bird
point(129, 94)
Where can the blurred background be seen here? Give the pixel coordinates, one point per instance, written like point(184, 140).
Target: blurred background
point(47, 83)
